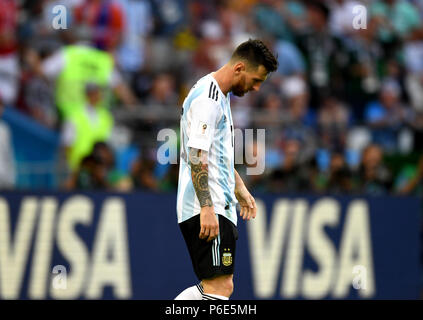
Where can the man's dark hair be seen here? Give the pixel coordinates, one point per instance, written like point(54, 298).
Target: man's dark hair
point(256, 53)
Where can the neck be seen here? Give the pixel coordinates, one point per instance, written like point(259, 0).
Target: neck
point(223, 77)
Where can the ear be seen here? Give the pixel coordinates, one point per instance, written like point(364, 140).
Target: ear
point(239, 67)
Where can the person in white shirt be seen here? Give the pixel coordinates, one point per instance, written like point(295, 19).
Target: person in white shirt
point(7, 160)
point(209, 186)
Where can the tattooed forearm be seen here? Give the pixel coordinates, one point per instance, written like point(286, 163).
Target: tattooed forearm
point(200, 176)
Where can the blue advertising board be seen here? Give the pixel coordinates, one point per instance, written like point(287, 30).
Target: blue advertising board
point(93, 245)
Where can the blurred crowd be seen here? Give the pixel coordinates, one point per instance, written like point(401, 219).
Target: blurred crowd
point(343, 113)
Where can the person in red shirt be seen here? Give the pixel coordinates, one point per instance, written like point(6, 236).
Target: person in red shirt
point(105, 21)
point(9, 68)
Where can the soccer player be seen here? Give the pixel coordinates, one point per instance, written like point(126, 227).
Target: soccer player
point(209, 186)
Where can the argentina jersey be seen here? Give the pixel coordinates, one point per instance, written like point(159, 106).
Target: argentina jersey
point(206, 124)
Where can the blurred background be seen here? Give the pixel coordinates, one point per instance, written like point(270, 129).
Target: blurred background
point(350, 100)
point(83, 97)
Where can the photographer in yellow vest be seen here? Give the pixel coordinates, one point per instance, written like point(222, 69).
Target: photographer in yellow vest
point(86, 126)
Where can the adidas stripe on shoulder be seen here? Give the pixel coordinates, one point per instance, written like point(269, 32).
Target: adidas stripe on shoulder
point(213, 91)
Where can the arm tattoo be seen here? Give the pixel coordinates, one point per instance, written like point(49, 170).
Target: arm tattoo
point(200, 176)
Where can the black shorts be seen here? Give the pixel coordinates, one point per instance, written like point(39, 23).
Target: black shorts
point(212, 258)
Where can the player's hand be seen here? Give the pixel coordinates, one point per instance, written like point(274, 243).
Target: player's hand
point(247, 203)
point(209, 225)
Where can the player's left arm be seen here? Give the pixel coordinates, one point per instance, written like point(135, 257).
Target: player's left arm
point(245, 199)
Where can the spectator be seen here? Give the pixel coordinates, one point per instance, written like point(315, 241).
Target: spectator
point(169, 182)
point(300, 120)
point(163, 91)
point(160, 104)
point(7, 163)
point(342, 16)
point(340, 179)
point(413, 53)
point(85, 127)
point(364, 62)
point(292, 175)
point(36, 98)
point(104, 20)
point(291, 62)
point(132, 53)
point(374, 176)
point(395, 19)
point(39, 29)
point(387, 116)
point(9, 60)
point(169, 16)
point(318, 48)
point(71, 68)
point(142, 171)
point(271, 20)
point(409, 180)
point(417, 129)
point(115, 179)
point(91, 175)
point(333, 121)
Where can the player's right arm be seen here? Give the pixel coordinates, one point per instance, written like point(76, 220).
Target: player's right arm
point(204, 114)
point(209, 226)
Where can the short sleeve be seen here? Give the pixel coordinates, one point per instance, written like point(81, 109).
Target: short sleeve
point(204, 114)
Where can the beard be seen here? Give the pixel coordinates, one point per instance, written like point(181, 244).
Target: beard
point(238, 93)
point(239, 89)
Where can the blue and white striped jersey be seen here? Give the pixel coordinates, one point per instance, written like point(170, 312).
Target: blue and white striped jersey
point(206, 124)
